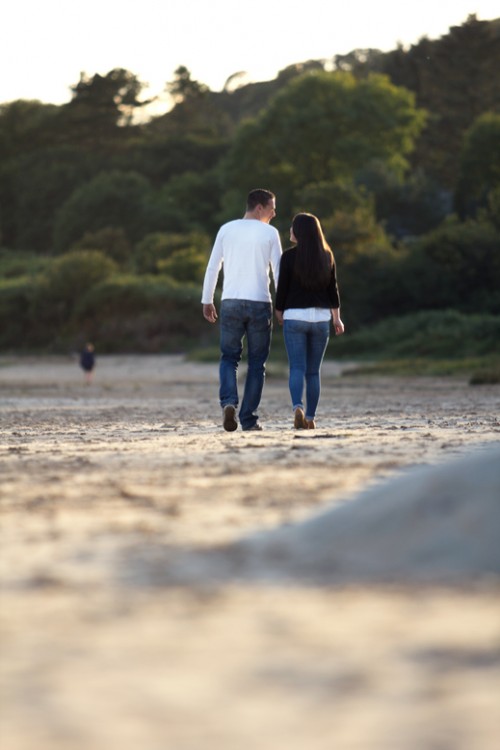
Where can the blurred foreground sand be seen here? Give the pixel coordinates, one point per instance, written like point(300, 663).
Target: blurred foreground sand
point(94, 478)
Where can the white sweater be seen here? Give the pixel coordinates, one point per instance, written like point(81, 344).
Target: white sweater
point(246, 248)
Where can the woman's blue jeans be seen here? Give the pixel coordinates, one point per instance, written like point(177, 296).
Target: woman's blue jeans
point(240, 318)
point(305, 345)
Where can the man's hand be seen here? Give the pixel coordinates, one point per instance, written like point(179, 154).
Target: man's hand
point(210, 313)
point(279, 316)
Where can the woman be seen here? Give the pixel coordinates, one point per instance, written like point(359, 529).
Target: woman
point(306, 298)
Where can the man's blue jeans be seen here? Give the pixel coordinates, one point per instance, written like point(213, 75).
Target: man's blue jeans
point(240, 318)
point(305, 345)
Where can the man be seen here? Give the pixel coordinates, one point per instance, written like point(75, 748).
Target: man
point(246, 247)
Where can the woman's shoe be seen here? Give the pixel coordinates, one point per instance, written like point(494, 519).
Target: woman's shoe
point(299, 421)
point(310, 424)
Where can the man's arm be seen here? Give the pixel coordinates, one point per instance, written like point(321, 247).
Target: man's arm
point(210, 281)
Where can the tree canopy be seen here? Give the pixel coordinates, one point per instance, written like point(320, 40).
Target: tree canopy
point(324, 126)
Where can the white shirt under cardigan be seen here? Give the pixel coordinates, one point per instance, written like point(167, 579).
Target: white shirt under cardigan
point(246, 248)
point(308, 314)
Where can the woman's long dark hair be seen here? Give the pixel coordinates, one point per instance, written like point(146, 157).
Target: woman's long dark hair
point(314, 259)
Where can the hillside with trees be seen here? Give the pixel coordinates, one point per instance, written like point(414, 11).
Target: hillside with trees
point(107, 216)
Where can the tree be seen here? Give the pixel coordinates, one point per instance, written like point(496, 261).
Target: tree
point(108, 100)
point(111, 199)
point(479, 170)
point(324, 126)
point(455, 266)
point(455, 78)
point(184, 87)
point(41, 184)
point(407, 206)
point(25, 127)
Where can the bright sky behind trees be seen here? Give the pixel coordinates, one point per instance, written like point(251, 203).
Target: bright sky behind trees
point(45, 45)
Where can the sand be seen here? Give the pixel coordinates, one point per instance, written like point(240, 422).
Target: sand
point(119, 630)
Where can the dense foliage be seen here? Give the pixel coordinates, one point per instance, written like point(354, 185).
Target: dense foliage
point(107, 217)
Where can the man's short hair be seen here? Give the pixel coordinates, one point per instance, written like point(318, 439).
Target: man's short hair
point(258, 197)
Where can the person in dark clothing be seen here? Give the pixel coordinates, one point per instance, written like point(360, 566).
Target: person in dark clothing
point(307, 298)
point(87, 362)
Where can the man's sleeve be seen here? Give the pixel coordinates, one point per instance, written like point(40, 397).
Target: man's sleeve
point(276, 253)
point(212, 273)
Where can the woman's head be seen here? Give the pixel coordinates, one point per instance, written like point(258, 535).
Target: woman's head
point(306, 228)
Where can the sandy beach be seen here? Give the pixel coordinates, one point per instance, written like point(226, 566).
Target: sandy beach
point(104, 486)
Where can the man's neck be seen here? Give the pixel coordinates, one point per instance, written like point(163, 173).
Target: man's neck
point(252, 215)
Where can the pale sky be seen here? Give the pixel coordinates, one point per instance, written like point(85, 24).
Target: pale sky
point(45, 44)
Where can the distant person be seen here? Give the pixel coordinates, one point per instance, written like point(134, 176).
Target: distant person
point(87, 362)
point(306, 299)
point(247, 248)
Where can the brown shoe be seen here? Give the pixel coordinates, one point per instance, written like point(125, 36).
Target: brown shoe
point(299, 421)
point(229, 418)
point(310, 424)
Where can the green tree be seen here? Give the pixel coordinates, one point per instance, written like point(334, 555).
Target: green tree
point(455, 266)
point(111, 199)
point(25, 127)
point(479, 171)
point(455, 78)
point(407, 206)
point(190, 202)
point(324, 126)
point(41, 184)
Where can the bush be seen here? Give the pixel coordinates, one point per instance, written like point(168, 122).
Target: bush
point(15, 304)
point(155, 248)
point(143, 314)
point(432, 334)
point(62, 286)
point(15, 264)
point(184, 265)
point(111, 241)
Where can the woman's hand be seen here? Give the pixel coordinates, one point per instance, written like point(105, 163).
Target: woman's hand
point(337, 323)
point(339, 327)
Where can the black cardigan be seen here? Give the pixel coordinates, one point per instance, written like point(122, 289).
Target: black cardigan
point(291, 294)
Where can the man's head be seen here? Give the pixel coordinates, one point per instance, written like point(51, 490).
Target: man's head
point(261, 204)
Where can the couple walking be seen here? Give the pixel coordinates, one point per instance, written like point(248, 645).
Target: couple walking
point(306, 299)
